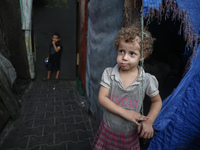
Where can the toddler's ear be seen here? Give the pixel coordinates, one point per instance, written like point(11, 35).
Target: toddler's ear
point(144, 56)
point(141, 59)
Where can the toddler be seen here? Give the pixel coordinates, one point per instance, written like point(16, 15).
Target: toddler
point(122, 92)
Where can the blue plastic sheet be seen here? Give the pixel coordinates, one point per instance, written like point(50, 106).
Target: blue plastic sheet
point(178, 124)
point(147, 4)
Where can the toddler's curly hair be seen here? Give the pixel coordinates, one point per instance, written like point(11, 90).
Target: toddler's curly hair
point(130, 34)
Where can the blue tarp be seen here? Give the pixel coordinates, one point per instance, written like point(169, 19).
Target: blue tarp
point(178, 124)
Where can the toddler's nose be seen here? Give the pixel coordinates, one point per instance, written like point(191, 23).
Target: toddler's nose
point(125, 57)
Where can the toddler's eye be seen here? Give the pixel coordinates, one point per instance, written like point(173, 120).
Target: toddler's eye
point(132, 53)
point(121, 51)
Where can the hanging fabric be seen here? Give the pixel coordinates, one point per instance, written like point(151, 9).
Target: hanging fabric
point(26, 13)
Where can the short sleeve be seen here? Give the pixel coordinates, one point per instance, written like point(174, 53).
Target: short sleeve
point(106, 79)
point(152, 86)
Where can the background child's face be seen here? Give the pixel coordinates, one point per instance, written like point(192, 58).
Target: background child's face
point(128, 55)
point(55, 38)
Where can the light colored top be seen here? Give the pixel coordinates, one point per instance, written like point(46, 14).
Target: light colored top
point(128, 98)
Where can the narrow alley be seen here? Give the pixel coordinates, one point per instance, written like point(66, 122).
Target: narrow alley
point(52, 117)
point(84, 39)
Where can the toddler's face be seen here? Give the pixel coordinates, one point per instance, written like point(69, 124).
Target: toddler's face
point(55, 38)
point(128, 55)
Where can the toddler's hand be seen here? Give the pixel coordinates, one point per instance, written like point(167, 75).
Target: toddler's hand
point(134, 117)
point(147, 130)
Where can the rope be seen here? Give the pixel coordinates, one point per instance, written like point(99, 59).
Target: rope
point(142, 26)
point(146, 35)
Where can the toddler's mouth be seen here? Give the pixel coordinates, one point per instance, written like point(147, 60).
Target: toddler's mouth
point(124, 64)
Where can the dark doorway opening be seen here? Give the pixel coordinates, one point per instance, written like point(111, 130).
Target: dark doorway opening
point(169, 56)
point(51, 16)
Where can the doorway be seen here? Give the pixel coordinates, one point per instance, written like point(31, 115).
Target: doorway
point(169, 58)
point(51, 16)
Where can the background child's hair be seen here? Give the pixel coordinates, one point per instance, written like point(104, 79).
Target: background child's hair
point(128, 34)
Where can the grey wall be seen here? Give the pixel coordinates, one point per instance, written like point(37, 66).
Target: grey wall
point(104, 22)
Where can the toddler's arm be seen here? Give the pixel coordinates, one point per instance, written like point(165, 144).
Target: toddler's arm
point(147, 131)
point(114, 108)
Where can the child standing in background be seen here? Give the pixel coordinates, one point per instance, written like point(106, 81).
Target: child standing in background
point(122, 92)
point(54, 56)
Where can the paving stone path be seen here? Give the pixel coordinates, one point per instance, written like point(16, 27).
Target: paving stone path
point(52, 117)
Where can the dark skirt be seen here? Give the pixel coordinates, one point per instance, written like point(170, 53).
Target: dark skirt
point(108, 139)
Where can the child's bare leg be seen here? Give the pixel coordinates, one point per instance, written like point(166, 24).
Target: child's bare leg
point(57, 74)
point(48, 74)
